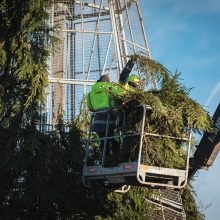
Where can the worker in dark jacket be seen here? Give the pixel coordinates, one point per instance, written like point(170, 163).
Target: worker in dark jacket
point(127, 81)
point(134, 81)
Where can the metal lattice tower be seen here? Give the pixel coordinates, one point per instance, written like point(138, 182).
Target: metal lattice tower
point(96, 37)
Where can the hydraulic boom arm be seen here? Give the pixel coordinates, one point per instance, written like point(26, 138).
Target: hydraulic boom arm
point(208, 148)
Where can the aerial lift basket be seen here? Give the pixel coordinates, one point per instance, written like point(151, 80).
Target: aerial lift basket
point(100, 171)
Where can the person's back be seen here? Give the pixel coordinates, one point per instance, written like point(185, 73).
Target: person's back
point(99, 97)
point(98, 100)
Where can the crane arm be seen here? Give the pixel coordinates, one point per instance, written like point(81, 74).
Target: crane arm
point(208, 148)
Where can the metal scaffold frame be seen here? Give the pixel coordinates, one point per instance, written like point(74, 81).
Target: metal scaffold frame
point(95, 37)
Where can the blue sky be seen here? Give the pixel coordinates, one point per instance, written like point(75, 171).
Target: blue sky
point(185, 35)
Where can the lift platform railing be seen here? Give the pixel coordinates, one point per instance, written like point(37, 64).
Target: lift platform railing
point(131, 171)
point(98, 162)
point(164, 176)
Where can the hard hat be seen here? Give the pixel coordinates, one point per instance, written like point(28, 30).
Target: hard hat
point(134, 79)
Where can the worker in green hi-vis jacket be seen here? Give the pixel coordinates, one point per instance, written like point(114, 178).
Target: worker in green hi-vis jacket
point(99, 99)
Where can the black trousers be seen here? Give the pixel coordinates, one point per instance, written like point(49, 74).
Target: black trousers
point(112, 146)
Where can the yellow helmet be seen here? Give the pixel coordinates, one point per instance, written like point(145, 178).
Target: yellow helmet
point(133, 80)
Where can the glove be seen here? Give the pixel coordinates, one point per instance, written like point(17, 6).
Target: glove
point(133, 58)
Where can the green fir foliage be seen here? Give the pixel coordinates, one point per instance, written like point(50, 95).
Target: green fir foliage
point(173, 114)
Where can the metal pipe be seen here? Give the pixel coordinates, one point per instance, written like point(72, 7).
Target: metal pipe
point(141, 139)
point(188, 155)
point(166, 136)
point(72, 81)
point(129, 25)
point(122, 32)
point(86, 154)
point(87, 31)
point(116, 37)
point(142, 26)
point(92, 5)
point(136, 45)
point(94, 41)
point(105, 140)
point(83, 51)
point(106, 57)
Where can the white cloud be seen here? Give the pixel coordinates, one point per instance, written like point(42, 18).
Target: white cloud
point(214, 92)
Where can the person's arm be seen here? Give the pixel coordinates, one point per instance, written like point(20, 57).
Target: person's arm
point(123, 78)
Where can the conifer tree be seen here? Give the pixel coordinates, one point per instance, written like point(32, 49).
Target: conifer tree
point(25, 46)
point(25, 43)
